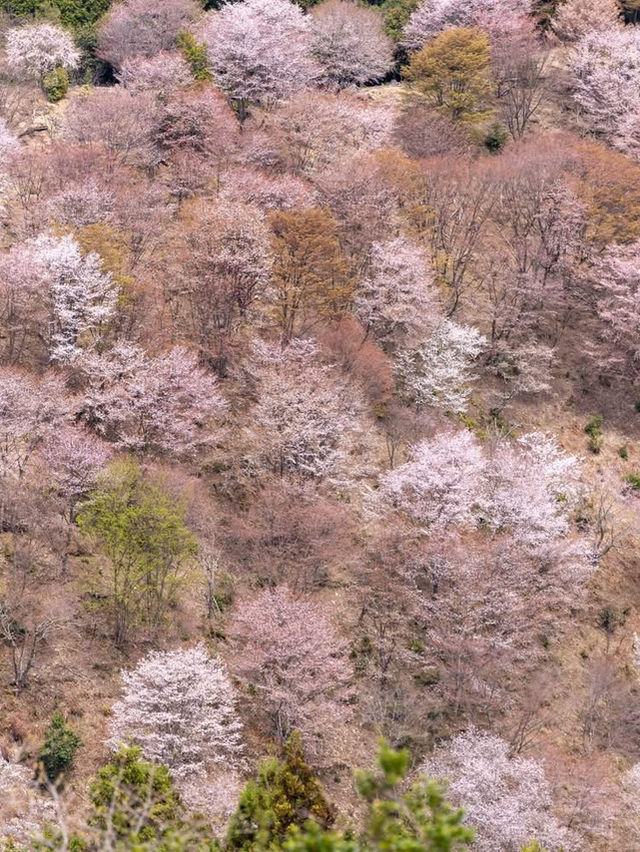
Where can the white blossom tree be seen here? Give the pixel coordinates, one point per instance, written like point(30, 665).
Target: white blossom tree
point(36, 49)
point(82, 295)
point(306, 414)
point(432, 16)
point(397, 298)
point(530, 489)
point(23, 811)
point(179, 708)
point(576, 18)
point(440, 485)
point(292, 655)
point(606, 84)
point(439, 371)
point(167, 404)
point(259, 51)
point(348, 44)
point(507, 799)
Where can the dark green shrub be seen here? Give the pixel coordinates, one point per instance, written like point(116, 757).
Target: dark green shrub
point(60, 746)
point(496, 137)
point(623, 452)
point(594, 430)
point(633, 479)
point(55, 85)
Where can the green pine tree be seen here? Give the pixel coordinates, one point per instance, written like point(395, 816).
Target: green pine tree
point(59, 748)
point(284, 795)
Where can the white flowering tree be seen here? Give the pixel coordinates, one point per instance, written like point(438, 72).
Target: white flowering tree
point(348, 44)
point(507, 799)
point(37, 49)
point(23, 811)
point(430, 17)
point(306, 414)
point(576, 18)
point(441, 484)
point(397, 298)
point(179, 708)
point(168, 404)
point(439, 371)
point(82, 295)
point(259, 51)
point(527, 489)
point(606, 84)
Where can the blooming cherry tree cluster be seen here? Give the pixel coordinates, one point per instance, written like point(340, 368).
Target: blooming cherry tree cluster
point(306, 414)
point(167, 404)
point(605, 76)
point(439, 371)
point(179, 708)
point(527, 489)
point(83, 296)
point(507, 799)
point(292, 654)
point(259, 51)
point(397, 299)
point(348, 43)
point(36, 49)
point(576, 18)
point(432, 16)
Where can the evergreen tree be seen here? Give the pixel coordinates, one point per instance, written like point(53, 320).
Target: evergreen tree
point(285, 795)
point(59, 748)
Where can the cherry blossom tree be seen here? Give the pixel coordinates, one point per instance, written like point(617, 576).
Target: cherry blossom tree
point(348, 43)
point(266, 191)
point(316, 130)
point(36, 49)
point(507, 799)
point(527, 489)
point(259, 51)
point(167, 404)
point(531, 488)
point(179, 708)
point(432, 16)
point(439, 371)
point(606, 71)
point(161, 73)
point(440, 485)
point(576, 18)
point(292, 655)
point(306, 416)
point(24, 812)
point(397, 298)
point(143, 28)
point(616, 281)
point(83, 296)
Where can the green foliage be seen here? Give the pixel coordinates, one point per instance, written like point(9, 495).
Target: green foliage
point(633, 479)
point(594, 430)
point(453, 73)
point(135, 802)
point(396, 14)
point(418, 821)
point(195, 54)
point(55, 84)
point(496, 137)
point(284, 795)
point(623, 452)
point(543, 11)
point(71, 13)
point(142, 531)
point(59, 748)
point(533, 846)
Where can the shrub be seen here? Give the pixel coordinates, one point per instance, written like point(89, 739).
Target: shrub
point(594, 430)
point(59, 748)
point(633, 479)
point(195, 54)
point(284, 795)
point(55, 85)
point(496, 137)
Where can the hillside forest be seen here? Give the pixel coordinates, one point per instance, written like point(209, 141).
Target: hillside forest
point(320, 425)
